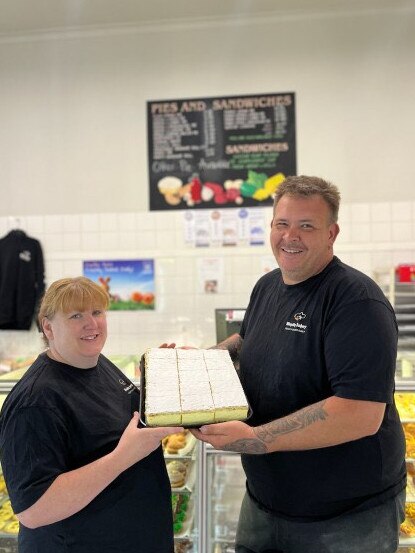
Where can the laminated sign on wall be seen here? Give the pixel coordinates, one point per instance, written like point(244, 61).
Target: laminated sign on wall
point(129, 283)
point(215, 152)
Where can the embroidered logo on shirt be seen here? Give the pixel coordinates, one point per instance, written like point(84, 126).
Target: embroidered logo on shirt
point(297, 326)
point(25, 255)
point(127, 387)
point(300, 316)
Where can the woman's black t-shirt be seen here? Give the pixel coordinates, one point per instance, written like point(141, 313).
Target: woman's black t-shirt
point(333, 334)
point(58, 418)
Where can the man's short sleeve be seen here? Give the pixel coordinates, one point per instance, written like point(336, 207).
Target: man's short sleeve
point(360, 350)
point(35, 451)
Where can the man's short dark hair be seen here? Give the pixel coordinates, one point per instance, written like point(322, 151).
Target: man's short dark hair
point(303, 185)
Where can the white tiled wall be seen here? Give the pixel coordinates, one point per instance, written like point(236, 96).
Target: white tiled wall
point(373, 236)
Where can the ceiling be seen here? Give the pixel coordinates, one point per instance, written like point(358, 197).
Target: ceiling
point(22, 17)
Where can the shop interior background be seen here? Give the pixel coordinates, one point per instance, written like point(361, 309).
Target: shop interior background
point(73, 170)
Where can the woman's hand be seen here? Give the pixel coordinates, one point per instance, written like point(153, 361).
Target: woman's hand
point(136, 443)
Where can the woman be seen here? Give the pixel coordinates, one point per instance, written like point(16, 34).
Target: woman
point(81, 475)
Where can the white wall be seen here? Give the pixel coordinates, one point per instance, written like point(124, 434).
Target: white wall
point(72, 107)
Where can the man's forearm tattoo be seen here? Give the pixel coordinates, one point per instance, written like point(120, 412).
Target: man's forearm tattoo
point(297, 421)
point(246, 446)
point(268, 432)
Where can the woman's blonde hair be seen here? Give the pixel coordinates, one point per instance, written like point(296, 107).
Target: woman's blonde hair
point(72, 294)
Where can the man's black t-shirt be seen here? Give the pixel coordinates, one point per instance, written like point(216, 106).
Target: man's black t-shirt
point(333, 334)
point(58, 418)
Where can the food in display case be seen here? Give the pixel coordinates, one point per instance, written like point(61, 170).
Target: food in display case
point(179, 443)
point(409, 430)
point(408, 525)
point(13, 368)
point(405, 403)
point(182, 546)
point(8, 521)
point(182, 513)
point(190, 388)
point(178, 472)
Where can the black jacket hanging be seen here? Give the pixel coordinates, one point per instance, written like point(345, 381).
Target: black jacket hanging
point(21, 280)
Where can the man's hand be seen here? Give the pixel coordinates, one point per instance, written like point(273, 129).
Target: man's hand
point(231, 436)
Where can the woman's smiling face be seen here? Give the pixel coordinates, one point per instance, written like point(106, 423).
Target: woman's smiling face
point(76, 338)
point(302, 236)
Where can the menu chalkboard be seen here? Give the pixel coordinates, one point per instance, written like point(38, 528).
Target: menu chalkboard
point(220, 152)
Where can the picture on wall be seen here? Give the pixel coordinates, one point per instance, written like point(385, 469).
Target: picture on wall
point(231, 151)
point(129, 283)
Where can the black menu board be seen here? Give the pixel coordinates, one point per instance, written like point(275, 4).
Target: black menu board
point(220, 152)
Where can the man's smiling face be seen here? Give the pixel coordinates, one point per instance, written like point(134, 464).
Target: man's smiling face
point(302, 236)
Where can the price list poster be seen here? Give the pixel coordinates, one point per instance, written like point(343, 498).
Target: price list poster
point(223, 152)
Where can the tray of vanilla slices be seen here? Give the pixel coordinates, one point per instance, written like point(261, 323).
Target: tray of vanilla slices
point(189, 388)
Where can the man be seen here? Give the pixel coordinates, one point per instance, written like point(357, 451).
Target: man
point(324, 451)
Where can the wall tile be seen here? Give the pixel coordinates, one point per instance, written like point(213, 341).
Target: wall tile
point(91, 243)
point(344, 235)
point(401, 231)
point(127, 240)
point(345, 215)
point(402, 257)
point(35, 225)
point(108, 241)
point(381, 211)
point(72, 242)
point(53, 224)
point(145, 220)
point(360, 233)
point(90, 222)
point(166, 240)
point(108, 222)
point(52, 243)
point(72, 223)
point(381, 231)
point(146, 240)
point(362, 261)
point(55, 271)
point(401, 211)
point(72, 268)
point(166, 267)
point(381, 261)
point(360, 213)
point(127, 222)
